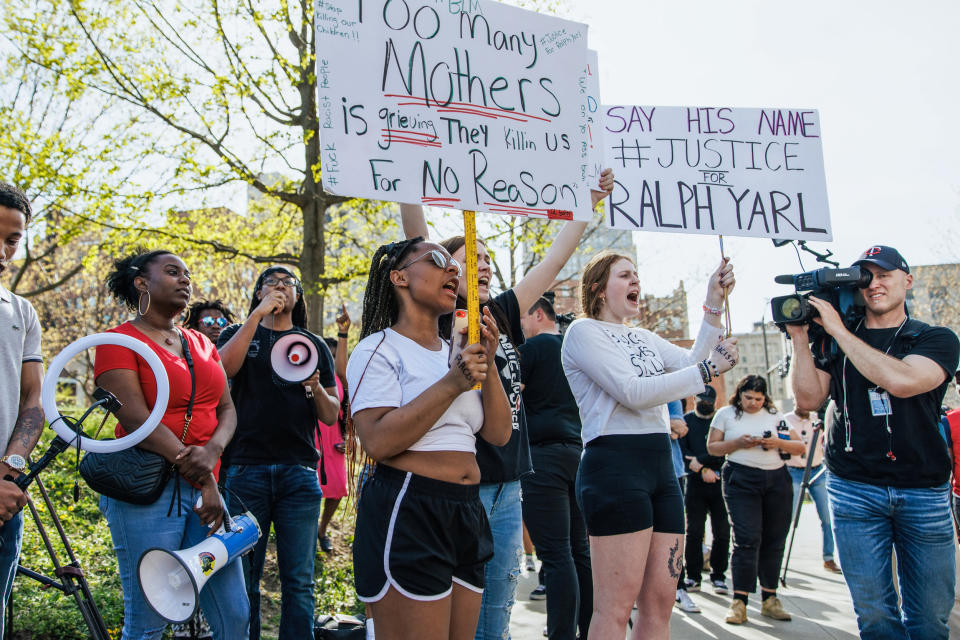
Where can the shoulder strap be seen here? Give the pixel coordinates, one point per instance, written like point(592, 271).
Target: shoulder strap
point(193, 385)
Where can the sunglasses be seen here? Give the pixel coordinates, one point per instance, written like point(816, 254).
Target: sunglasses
point(289, 281)
point(439, 258)
point(209, 321)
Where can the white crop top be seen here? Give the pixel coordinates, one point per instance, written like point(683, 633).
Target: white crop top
point(399, 370)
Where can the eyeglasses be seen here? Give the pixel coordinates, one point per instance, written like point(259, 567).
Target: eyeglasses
point(270, 281)
point(440, 259)
point(209, 321)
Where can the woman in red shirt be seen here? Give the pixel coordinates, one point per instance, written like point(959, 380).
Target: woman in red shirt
point(156, 285)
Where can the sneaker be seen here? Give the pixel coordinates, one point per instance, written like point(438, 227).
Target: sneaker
point(685, 602)
point(772, 608)
point(831, 566)
point(540, 593)
point(545, 633)
point(737, 613)
point(691, 585)
point(531, 565)
point(720, 587)
point(325, 544)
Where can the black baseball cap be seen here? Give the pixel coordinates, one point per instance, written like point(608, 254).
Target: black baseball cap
point(709, 394)
point(886, 258)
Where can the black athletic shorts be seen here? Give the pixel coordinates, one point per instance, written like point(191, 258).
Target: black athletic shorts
point(627, 483)
point(419, 535)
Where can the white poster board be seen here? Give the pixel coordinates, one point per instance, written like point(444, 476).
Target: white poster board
point(468, 104)
point(593, 145)
point(710, 170)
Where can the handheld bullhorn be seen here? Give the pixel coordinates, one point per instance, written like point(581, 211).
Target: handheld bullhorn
point(171, 581)
point(294, 357)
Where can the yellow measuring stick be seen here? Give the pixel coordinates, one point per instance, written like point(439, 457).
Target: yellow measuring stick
point(473, 280)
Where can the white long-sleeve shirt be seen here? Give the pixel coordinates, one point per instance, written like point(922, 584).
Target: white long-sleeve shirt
point(622, 378)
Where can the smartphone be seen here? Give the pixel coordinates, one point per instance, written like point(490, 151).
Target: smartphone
point(458, 340)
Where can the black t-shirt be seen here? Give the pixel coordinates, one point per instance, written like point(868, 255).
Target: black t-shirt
point(552, 414)
point(921, 453)
point(695, 442)
point(276, 421)
point(511, 461)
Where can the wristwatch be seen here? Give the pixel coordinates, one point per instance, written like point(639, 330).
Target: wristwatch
point(15, 461)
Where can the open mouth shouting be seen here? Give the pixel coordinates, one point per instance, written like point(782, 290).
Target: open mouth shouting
point(633, 297)
point(451, 286)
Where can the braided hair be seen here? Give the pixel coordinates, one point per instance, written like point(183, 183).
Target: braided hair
point(299, 315)
point(380, 306)
point(126, 269)
point(192, 319)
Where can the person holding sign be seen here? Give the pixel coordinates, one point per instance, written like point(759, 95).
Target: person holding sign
point(422, 536)
point(502, 467)
point(889, 467)
point(622, 378)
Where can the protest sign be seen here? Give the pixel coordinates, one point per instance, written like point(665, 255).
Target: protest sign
point(742, 172)
point(593, 145)
point(469, 104)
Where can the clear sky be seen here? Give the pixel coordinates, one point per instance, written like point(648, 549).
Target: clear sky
point(884, 76)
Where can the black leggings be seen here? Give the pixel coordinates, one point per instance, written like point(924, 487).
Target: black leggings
point(557, 530)
point(760, 504)
point(701, 499)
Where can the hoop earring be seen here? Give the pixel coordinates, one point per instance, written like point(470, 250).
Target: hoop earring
point(140, 303)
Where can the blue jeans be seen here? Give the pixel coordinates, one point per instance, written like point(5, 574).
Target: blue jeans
point(137, 528)
point(11, 536)
point(287, 496)
point(818, 491)
point(502, 504)
point(871, 521)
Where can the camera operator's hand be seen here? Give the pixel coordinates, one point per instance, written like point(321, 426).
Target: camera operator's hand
point(725, 355)
point(799, 333)
point(721, 279)
point(829, 318)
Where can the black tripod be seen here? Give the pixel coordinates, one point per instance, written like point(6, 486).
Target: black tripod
point(69, 577)
point(804, 486)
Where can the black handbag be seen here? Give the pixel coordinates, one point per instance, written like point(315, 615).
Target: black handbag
point(135, 475)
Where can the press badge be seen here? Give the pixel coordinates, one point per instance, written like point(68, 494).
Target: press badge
point(879, 402)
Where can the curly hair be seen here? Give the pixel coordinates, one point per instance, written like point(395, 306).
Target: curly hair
point(125, 270)
point(751, 382)
point(380, 306)
point(192, 318)
point(13, 197)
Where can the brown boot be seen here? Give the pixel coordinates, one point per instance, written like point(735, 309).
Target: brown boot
point(772, 608)
point(831, 566)
point(737, 613)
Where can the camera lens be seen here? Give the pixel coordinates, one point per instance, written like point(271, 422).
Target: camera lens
point(791, 308)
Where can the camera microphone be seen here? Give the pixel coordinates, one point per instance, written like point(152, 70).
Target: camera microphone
point(784, 279)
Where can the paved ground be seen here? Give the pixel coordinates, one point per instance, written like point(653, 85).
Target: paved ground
point(818, 600)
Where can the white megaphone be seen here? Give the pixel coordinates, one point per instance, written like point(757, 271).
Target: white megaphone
point(294, 357)
point(171, 581)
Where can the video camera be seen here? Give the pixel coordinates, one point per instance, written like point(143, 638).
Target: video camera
point(840, 287)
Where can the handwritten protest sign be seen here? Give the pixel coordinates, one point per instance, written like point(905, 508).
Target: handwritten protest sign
point(590, 95)
point(744, 172)
point(469, 104)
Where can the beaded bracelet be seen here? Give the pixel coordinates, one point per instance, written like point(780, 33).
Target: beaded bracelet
point(704, 371)
point(713, 368)
point(716, 311)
